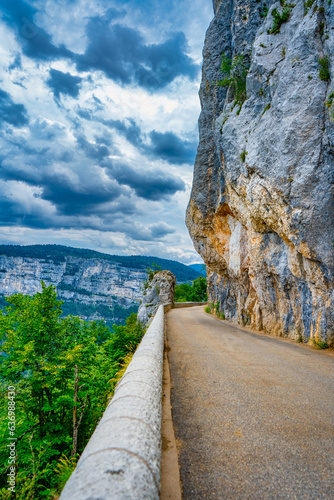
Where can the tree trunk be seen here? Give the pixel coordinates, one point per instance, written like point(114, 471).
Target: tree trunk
point(75, 425)
point(76, 422)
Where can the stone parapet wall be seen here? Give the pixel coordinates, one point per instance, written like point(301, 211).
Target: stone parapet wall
point(122, 459)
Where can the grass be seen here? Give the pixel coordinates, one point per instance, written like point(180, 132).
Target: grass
point(268, 106)
point(319, 344)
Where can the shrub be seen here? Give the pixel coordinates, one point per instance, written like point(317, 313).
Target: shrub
point(268, 106)
point(207, 309)
point(319, 344)
point(324, 73)
point(264, 11)
point(192, 293)
point(307, 5)
point(279, 19)
point(234, 76)
point(243, 155)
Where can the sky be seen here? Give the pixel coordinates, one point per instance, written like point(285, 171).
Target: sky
point(98, 123)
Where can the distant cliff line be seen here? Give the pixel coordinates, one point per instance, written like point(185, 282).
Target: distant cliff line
point(93, 285)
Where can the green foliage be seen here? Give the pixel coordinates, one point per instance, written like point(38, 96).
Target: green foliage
point(215, 308)
point(64, 469)
point(234, 76)
point(307, 5)
point(264, 11)
point(197, 292)
point(279, 19)
point(243, 155)
point(267, 106)
point(324, 73)
point(151, 272)
point(112, 314)
point(319, 344)
point(41, 354)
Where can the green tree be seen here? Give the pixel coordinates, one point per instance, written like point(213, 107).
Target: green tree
point(197, 292)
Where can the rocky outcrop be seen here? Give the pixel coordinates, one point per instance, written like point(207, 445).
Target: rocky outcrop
point(159, 290)
point(261, 212)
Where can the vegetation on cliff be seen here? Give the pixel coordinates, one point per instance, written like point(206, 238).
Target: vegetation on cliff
point(64, 371)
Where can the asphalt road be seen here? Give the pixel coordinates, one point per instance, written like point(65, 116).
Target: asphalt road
point(253, 414)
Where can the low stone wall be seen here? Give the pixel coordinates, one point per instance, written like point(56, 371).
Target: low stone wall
point(177, 305)
point(122, 459)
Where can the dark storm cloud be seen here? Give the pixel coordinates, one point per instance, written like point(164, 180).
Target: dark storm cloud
point(139, 232)
point(155, 186)
point(161, 229)
point(36, 42)
point(15, 114)
point(119, 51)
point(64, 83)
point(122, 54)
point(80, 199)
point(165, 146)
point(172, 148)
point(61, 169)
point(131, 131)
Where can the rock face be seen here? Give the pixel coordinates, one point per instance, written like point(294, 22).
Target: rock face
point(159, 291)
point(261, 212)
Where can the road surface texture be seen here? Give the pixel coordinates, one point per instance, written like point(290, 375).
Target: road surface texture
point(253, 414)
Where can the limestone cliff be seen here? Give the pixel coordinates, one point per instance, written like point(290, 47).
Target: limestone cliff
point(92, 285)
point(93, 288)
point(261, 212)
point(159, 290)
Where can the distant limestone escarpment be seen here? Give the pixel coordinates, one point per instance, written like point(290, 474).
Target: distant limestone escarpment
point(159, 290)
point(261, 212)
point(93, 285)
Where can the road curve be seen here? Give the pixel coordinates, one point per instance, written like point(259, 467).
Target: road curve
point(253, 414)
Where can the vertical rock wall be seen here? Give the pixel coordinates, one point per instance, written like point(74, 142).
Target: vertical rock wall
point(261, 212)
